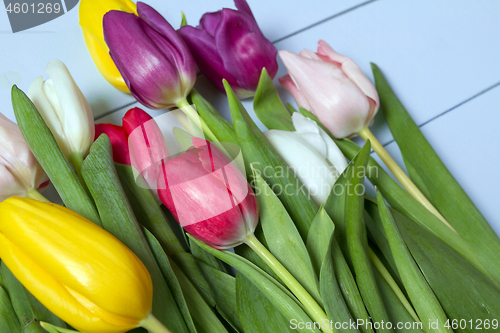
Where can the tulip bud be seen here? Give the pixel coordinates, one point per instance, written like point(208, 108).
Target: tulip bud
point(209, 196)
point(332, 87)
point(91, 14)
point(311, 154)
point(155, 63)
point(20, 172)
point(140, 143)
point(228, 44)
point(64, 109)
point(79, 271)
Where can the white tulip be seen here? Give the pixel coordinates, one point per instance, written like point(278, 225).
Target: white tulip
point(312, 154)
point(20, 173)
point(65, 110)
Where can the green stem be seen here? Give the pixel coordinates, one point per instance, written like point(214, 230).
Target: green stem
point(312, 307)
point(390, 281)
point(412, 189)
point(153, 325)
point(189, 111)
point(34, 194)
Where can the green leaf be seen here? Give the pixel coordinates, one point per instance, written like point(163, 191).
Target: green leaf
point(357, 241)
point(335, 305)
point(460, 289)
point(397, 312)
point(259, 154)
point(118, 219)
point(280, 297)
point(183, 20)
point(318, 239)
point(283, 238)
point(9, 321)
point(257, 314)
point(171, 278)
point(403, 202)
point(54, 329)
point(29, 310)
point(222, 128)
point(223, 287)
point(445, 192)
point(421, 295)
point(268, 106)
point(49, 155)
point(335, 207)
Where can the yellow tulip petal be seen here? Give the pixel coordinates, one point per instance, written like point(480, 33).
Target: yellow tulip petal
point(91, 13)
point(53, 294)
point(79, 254)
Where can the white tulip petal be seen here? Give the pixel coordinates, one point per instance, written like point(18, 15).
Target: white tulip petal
point(314, 171)
point(75, 113)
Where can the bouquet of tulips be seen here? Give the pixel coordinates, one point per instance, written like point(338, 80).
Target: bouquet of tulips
point(313, 252)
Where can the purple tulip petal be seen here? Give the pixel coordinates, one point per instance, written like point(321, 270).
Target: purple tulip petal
point(184, 60)
point(244, 49)
point(243, 6)
point(210, 21)
point(202, 45)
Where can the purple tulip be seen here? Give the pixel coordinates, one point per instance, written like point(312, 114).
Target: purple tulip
point(228, 44)
point(153, 59)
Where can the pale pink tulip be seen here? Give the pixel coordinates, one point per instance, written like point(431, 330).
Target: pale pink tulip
point(20, 172)
point(332, 87)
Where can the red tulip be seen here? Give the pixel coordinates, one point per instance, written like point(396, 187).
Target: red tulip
point(139, 142)
point(209, 196)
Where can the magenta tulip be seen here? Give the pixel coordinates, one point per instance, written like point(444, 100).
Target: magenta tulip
point(332, 87)
point(209, 196)
point(153, 59)
point(228, 44)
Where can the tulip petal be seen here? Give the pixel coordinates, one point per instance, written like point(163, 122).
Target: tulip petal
point(77, 254)
point(176, 51)
point(210, 21)
point(336, 100)
point(209, 196)
point(119, 141)
point(149, 73)
point(287, 83)
point(244, 49)
point(148, 149)
point(20, 169)
point(73, 111)
point(354, 73)
point(311, 167)
point(206, 54)
point(304, 125)
point(243, 6)
point(52, 294)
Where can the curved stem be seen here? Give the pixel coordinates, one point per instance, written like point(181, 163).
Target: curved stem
point(315, 311)
point(153, 325)
point(412, 189)
point(34, 194)
point(189, 111)
point(390, 281)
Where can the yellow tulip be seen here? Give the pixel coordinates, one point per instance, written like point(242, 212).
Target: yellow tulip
point(79, 271)
point(91, 14)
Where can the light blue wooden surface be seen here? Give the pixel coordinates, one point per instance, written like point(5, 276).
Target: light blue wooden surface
point(442, 58)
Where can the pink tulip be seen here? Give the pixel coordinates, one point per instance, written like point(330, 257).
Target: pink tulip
point(20, 172)
point(332, 87)
point(140, 143)
point(209, 196)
